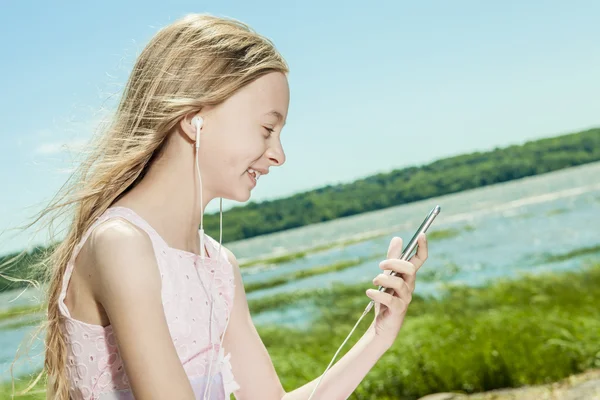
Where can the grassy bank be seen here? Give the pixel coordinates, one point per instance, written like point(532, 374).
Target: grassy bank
point(583, 251)
point(533, 330)
point(18, 312)
point(37, 393)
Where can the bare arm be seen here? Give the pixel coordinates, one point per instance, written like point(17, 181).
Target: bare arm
point(250, 361)
point(345, 375)
point(126, 281)
point(254, 370)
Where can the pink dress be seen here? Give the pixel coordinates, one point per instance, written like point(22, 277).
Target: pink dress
point(94, 366)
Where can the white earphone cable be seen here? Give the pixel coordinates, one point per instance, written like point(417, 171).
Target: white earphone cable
point(198, 123)
point(226, 306)
point(340, 348)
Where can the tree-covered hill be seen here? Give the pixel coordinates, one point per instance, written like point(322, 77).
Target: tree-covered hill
point(409, 184)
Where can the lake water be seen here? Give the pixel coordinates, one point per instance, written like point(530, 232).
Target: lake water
point(512, 226)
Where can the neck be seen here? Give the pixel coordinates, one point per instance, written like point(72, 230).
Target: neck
point(171, 206)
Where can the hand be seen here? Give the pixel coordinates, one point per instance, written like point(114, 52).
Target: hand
point(391, 305)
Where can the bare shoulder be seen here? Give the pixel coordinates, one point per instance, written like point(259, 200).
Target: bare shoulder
point(122, 254)
point(120, 233)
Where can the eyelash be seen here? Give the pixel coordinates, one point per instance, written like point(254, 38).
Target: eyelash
point(269, 130)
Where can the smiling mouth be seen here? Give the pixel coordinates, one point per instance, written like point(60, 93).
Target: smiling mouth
point(254, 175)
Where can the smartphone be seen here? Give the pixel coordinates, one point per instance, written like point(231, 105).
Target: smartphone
point(412, 245)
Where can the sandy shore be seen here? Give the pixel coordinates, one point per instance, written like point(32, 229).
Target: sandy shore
point(585, 386)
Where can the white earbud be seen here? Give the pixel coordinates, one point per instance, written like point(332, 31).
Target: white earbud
point(198, 122)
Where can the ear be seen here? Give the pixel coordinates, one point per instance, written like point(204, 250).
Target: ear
point(187, 128)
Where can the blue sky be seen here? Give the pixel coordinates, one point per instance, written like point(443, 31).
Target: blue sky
point(373, 87)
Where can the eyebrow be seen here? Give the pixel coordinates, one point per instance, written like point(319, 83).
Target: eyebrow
point(277, 115)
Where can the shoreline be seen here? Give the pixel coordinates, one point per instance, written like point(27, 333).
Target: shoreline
point(585, 385)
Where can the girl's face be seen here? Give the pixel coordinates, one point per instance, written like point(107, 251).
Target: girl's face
point(242, 134)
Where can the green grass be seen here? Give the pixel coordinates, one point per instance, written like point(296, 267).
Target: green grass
point(556, 211)
point(531, 330)
point(19, 311)
point(536, 329)
point(36, 393)
point(583, 251)
point(275, 259)
point(301, 254)
point(21, 323)
point(440, 234)
point(525, 215)
point(439, 273)
point(280, 280)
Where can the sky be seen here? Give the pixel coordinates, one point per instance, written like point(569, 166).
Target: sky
point(373, 87)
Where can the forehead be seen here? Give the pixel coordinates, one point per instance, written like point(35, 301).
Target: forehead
point(269, 95)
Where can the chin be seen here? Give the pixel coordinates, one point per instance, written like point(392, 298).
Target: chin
point(240, 196)
point(235, 190)
point(244, 197)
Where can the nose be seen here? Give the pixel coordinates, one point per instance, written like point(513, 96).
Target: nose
point(276, 154)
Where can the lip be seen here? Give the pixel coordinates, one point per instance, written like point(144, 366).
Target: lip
point(262, 171)
point(252, 180)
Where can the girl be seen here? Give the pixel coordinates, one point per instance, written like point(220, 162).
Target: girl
point(141, 303)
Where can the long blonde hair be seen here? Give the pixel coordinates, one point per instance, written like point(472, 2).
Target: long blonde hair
point(196, 61)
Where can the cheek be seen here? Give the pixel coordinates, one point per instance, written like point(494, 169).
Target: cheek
point(233, 146)
point(242, 150)
point(230, 158)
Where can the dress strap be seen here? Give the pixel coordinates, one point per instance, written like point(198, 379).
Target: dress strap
point(214, 250)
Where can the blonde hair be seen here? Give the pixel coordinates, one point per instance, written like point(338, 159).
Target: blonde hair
point(196, 61)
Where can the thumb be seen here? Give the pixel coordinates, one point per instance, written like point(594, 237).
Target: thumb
point(395, 249)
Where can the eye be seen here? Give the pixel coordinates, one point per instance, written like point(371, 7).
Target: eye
point(269, 130)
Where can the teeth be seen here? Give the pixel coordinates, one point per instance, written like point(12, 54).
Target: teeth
point(255, 173)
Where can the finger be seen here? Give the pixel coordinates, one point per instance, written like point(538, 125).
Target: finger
point(401, 288)
point(381, 297)
point(422, 251)
point(395, 248)
point(406, 269)
point(391, 302)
